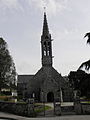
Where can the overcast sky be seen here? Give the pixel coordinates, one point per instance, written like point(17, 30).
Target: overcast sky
point(21, 26)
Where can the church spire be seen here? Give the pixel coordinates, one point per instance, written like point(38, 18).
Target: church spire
point(46, 44)
point(45, 25)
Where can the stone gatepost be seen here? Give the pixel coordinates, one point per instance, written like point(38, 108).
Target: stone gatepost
point(57, 108)
point(77, 105)
point(30, 107)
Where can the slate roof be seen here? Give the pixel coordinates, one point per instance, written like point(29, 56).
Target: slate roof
point(24, 78)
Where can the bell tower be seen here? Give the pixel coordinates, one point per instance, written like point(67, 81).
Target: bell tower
point(46, 44)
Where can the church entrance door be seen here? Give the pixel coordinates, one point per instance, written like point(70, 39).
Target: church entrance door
point(50, 97)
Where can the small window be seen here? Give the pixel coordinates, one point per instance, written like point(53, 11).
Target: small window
point(44, 53)
point(45, 44)
point(48, 53)
point(49, 45)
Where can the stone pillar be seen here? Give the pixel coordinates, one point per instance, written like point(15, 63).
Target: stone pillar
point(77, 106)
point(30, 107)
point(57, 108)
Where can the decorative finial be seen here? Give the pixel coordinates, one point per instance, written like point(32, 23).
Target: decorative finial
point(44, 5)
point(44, 9)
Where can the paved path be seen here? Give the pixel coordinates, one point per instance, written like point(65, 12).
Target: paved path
point(50, 112)
point(74, 117)
point(62, 104)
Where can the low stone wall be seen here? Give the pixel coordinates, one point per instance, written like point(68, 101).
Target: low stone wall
point(23, 109)
point(77, 108)
point(85, 108)
point(82, 108)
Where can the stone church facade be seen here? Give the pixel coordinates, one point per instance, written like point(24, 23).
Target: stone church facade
point(47, 84)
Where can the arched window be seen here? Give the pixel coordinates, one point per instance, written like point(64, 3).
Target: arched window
point(48, 53)
point(49, 45)
point(44, 53)
point(45, 44)
point(50, 97)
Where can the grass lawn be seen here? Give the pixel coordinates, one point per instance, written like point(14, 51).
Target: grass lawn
point(85, 100)
point(88, 102)
point(40, 108)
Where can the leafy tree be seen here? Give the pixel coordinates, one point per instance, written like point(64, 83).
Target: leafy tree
point(75, 78)
point(7, 66)
point(80, 81)
point(86, 64)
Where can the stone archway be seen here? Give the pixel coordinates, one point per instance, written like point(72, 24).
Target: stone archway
point(50, 97)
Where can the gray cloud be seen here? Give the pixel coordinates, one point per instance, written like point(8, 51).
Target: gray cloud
point(52, 6)
point(10, 4)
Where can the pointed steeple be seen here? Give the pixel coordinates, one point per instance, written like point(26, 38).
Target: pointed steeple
point(46, 44)
point(45, 25)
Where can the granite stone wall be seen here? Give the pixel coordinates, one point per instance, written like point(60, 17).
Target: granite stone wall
point(85, 108)
point(82, 108)
point(23, 109)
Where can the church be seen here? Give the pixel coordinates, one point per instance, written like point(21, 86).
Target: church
point(47, 84)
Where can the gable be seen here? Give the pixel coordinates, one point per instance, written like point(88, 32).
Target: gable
point(46, 75)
